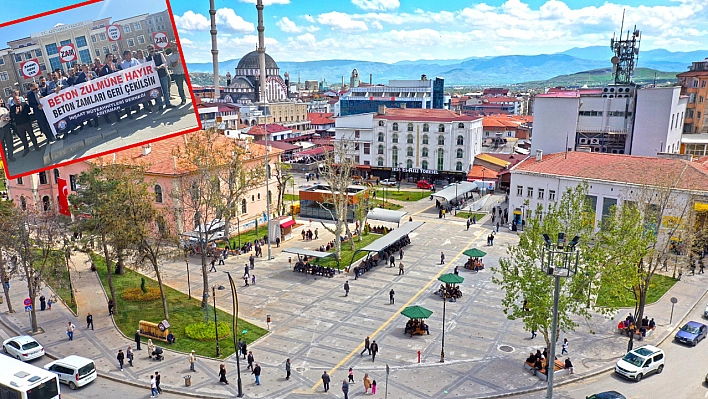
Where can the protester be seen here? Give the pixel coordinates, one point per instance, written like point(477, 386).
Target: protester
point(6, 133)
point(175, 62)
point(161, 64)
point(20, 115)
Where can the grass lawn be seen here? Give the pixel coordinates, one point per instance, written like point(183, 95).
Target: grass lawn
point(392, 193)
point(182, 313)
point(658, 287)
point(388, 205)
point(290, 197)
point(245, 237)
point(59, 281)
point(466, 215)
point(347, 253)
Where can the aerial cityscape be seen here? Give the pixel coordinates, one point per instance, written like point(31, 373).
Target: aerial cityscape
point(393, 198)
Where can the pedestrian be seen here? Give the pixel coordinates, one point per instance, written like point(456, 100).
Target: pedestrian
point(129, 354)
point(303, 234)
point(277, 242)
point(468, 224)
point(42, 302)
point(373, 387)
point(345, 389)
point(400, 268)
point(367, 383)
point(110, 307)
point(70, 331)
point(257, 373)
point(137, 340)
point(287, 369)
point(245, 279)
point(392, 259)
point(221, 259)
point(533, 333)
point(153, 388)
point(366, 347)
point(252, 261)
point(325, 381)
point(391, 297)
point(346, 288)
point(157, 382)
point(316, 233)
point(400, 254)
point(457, 271)
point(213, 265)
point(569, 366)
point(244, 348)
point(442, 258)
point(49, 301)
point(497, 227)
point(250, 360)
point(121, 358)
point(374, 350)
point(89, 321)
point(351, 374)
point(222, 374)
point(253, 279)
point(192, 360)
point(245, 269)
point(151, 348)
point(474, 219)
point(700, 264)
point(565, 346)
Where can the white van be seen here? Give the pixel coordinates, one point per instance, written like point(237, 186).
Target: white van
point(641, 361)
point(75, 371)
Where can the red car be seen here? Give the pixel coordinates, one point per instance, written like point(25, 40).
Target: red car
point(424, 184)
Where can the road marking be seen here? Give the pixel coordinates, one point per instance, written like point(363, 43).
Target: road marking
point(3, 334)
point(397, 313)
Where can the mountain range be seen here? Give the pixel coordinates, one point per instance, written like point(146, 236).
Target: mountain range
point(497, 70)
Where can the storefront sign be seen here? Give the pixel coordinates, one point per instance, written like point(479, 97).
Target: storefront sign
point(415, 170)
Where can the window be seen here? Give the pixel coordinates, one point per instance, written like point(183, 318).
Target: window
point(700, 99)
point(367, 148)
point(51, 49)
point(85, 56)
point(409, 151)
point(441, 159)
point(425, 151)
point(23, 202)
point(409, 163)
point(98, 52)
point(381, 123)
point(409, 139)
point(106, 50)
point(541, 192)
point(460, 125)
point(259, 196)
point(136, 26)
point(460, 153)
point(410, 127)
point(72, 182)
point(158, 193)
point(381, 137)
point(460, 140)
point(394, 138)
point(20, 182)
point(46, 204)
point(131, 42)
point(425, 139)
point(458, 166)
point(2, 61)
point(18, 57)
point(3, 77)
point(441, 128)
point(380, 162)
point(114, 48)
point(394, 155)
point(395, 126)
point(519, 191)
point(28, 55)
point(141, 39)
point(102, 36)
point(94, 39)
point(65, 42)
point(426, 127)
point(126, 28)
point(529, 192)
point(381, 150)
point(150, 23)
point(424, 164)
point(244, 206)
point(81, 41)
point(42, 177)
point(55, 63)
point(357, 134)
point(441, 140)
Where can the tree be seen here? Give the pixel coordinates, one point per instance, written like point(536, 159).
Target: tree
point(282, 175)
point(8, 225)
point(528, 289)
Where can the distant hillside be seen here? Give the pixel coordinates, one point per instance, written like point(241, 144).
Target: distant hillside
point(597, 77)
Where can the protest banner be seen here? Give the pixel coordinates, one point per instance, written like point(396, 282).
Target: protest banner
point(122, 89)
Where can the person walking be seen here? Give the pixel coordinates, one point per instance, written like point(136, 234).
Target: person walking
point(49, 301)
point(244, 348)
point(565, 346)
point(392, 260)
point(121, 358)
point(222, 374)
point(533, 333)
point(110, 307)
point(42, 302)
point(367, 344)
point(400, 268)
point(316, 233)
point(251, 359)
point(345, 389)
point(153, 388)
point(252, 261)
point(257, 373)
point(351, 375)
point(129, 354)
point(497, 227)
point(287, 369)
point(192, 360)
point(70, 331)
point(213, 265)
point(245, 279)
point(457, 271)
point(367, 383)
point(137, 340)
point(373, 387)
point(374, 350)
point(89, 321)
point(346, 288)
point(325, 381)
point(400, 254)
point(391, 297)
point(442, 258)
point(157, 382)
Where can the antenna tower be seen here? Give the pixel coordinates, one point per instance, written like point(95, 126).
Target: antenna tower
point(626, 49)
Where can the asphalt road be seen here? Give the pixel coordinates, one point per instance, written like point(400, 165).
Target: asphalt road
point(683, 376)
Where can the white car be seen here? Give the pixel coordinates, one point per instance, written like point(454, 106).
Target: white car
point(641, 361)
point(388, 182)
point(23, 348)
point(75, 371)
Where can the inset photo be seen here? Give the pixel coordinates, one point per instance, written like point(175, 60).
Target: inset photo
point(88, 81)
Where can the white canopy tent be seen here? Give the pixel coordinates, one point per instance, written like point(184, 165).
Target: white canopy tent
point(456, 190)
point(386, 215)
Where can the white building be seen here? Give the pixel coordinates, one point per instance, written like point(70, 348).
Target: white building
point(414, 144)
point(611, 178)
point(618, 119)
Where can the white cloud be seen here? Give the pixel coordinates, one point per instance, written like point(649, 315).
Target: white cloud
point(309, 18)
point(191, 21)
point(267, 2)
point(341, 21)
point(185, 42)
point(233, 22)
point(380, 5)
point(288, 26)
point(376, 25)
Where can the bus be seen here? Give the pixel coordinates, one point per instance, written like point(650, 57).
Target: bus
point(19, 380)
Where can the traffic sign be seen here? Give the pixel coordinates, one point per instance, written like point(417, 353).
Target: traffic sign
point(160, 39)
point(30, 68)
point(113, 33)
point(28, 308)
point(28, 302)
point(67, 53)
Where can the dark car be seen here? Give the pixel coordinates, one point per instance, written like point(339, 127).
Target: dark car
point(691, 333)
point(606, 395)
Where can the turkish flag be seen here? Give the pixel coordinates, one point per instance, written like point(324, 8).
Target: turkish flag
point(64, 198)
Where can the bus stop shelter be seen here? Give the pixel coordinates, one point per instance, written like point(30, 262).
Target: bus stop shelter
point(386, 215)
point(387, 240)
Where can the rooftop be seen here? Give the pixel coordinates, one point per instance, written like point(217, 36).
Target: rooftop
point(424, 115)
point(320, 118)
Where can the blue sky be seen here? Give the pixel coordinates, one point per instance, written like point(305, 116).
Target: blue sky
point(395, 30)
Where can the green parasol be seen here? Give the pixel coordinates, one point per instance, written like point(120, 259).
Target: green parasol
point(474, 253)
point(416, 312)
point(451, 278)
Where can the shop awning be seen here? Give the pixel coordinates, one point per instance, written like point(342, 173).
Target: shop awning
point(385, 215)
point(287, 223)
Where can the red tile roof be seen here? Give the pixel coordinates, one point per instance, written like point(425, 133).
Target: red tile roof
point(479, 172)
point(281, 145)
point(424, 115)
point(320, 118)
point(652, 171)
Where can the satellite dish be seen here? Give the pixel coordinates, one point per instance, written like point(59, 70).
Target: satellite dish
point(615, 60)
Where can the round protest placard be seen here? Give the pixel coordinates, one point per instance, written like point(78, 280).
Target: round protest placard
point(67, 53)
point(113, 32)
point(30, 68)
point(160, 39)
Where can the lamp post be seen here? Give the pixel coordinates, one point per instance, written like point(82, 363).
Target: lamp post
point(442, 347)
point(559, 261)
point(216, 325)
point(234, 299)
point(456, 200)
point(189, 286)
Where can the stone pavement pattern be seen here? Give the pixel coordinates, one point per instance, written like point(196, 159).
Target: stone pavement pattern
point(319, 329)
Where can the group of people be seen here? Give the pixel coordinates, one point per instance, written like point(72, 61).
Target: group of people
point(309, 235)
point(539, 362)
point(416, 325)
point(629, 325)
point(475, 264)
point(387, 255)
point(449, 291)
point(305, 267)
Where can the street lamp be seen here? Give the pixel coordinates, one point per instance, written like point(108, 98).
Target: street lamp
point(189, 286)
point(234, 299)
point(559, 261)
point(442, 347)
point(216, 325)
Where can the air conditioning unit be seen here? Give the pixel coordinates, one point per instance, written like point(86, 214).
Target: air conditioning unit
point(594, 141)
point(583, 141)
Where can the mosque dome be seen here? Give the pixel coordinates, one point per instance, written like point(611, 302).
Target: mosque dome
point(250, 61)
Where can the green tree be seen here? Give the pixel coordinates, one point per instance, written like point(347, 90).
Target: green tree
point(282, 175)
point(8, 241)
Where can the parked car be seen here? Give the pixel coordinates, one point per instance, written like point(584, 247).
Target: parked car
point(640, 362)
point(388, 182)
point(606, 395)
point(23, 348)
point(75, 371)
point(691, 333)
point(424, 184)
point(705, 312)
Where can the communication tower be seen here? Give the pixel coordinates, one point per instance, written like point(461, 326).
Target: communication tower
point(626, 49)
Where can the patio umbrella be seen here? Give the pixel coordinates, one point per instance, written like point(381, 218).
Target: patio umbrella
point(416, 312)
point(451, 278)
point(474, 253)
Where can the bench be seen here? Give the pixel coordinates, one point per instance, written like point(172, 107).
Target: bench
point(560, 370)
point(418, 331)
point(157, 331)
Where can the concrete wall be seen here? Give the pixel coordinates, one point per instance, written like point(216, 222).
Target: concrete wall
point(654, 130)
point(555, 119)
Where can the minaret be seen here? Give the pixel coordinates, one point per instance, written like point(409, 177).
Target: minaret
point(214, 51)
point(261, 51)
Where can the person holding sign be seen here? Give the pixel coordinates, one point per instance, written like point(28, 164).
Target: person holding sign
point(20, 115)
point(33, 96)
point(6, 133)
point(161, 65)
point(129, 62)
point(177, 69)
point(108, 68)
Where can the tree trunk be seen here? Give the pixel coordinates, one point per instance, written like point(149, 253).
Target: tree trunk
point(162, 288)
point(119, 263)
point(108, 273)
point(32, 291)
point(3, 278)
point(205, 278)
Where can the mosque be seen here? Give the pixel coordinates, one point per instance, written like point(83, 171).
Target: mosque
point(245, 85)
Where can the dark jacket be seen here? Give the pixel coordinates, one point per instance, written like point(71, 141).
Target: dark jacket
point(257, 370)
point(19, 113)
point(325, 378)
point(120, 356)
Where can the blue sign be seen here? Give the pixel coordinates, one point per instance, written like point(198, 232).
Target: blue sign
point(28, 308)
